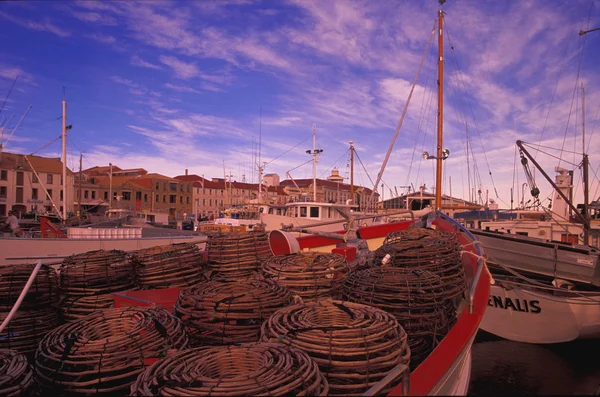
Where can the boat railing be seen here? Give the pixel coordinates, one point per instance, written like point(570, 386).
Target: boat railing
point(400, 370)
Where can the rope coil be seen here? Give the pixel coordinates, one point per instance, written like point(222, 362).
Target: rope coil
point(354, 345)
point(16, 375)
point(310, 275)
point(105, 351)
point(271, 369)
point(229, 311)
point(175, 265)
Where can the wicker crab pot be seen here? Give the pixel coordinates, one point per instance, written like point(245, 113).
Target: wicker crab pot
point(418, 276)
point(105, 351)
point(355, 345)
point(265, 369)
point(16, 375)
point(223, 312)
point(88, 279)
point(166, 266)
point(309, 275)
point(37, 314)
point(237, 254)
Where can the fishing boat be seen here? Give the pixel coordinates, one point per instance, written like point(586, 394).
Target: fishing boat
point(446, 370)
point(545, 266)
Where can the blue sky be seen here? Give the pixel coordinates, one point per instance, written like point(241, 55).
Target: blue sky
point(173, 85)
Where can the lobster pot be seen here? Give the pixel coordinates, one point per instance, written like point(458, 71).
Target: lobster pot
point(266, 369)
point(237, 254)
point(105, 351)
point(428, 250)
point(354, 345)
point(417, 299)
point(167, 266)
point(310, 275)
point(27, 328)
point(37, 314)
point(88, 279)
point(222, 312)
point(16, 375)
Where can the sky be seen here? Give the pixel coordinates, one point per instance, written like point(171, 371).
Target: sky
point(219, 87)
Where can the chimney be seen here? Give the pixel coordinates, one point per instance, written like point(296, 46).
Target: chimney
point(186, 172)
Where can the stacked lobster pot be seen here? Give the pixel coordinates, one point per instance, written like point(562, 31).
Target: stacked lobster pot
point(166, 266)
point(224, 312)
point(310, 275)
point(16, 375)
point(354, 345)
point(266, 369)
point(104, 353)
point(237, 255)
point(418, 277)
point(88, 279)
point(37, 314)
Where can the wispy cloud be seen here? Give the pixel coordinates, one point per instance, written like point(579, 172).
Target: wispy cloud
point(183, 70)
point(11, 72)
point(102, 38)
point(45, 26)
point(182, 88)
point(94, 17)
point(137, 61)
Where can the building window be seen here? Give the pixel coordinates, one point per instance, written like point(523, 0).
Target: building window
point(157, 186)
point(93, 194)
point(20, 178)
point(210, 203)
point(126, 196)
point(49, 179)
point(181, 200)
point(181, 188)
point(61, 195)
point(157, 198)
point(85, 194)
point(3, 175)
point(3, 209)
point(173, 187)
point(188, 188)
point(165, 186)
point(49, 194)
point(19, 197)
point(105, 196)
point(2, 191)
point(145, 198)
point(138, 195)
point(164, 198)
point(203, 202)
point(34, 194)
point(172, 199)
point(187, 199)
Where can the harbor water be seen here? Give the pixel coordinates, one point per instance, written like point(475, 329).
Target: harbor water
point(502, 367)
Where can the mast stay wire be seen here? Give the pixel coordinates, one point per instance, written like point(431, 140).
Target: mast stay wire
point(422, 117)
point(582, 42)
point(460, 77)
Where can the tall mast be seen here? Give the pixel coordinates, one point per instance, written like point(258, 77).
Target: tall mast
point(586, 198)
point(438, 176)
point(351, 172)
point(80, 164)
point(314, 153)
point(64, 158)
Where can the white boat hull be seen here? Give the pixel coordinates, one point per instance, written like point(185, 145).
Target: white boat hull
point(28, 250)
point(523, 315)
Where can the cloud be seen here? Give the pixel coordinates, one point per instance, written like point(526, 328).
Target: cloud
point(94, 17)
point(182, 88)
point(182, 69)
point(45, 26)
point(11, 72)
point(137, 61)
point(101, 38)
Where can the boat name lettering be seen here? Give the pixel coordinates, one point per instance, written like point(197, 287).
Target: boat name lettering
point(518, 305)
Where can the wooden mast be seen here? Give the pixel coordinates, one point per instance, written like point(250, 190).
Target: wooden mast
point(80, 172)
point(586, 193)
point(351, 172)
point(440, 120)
